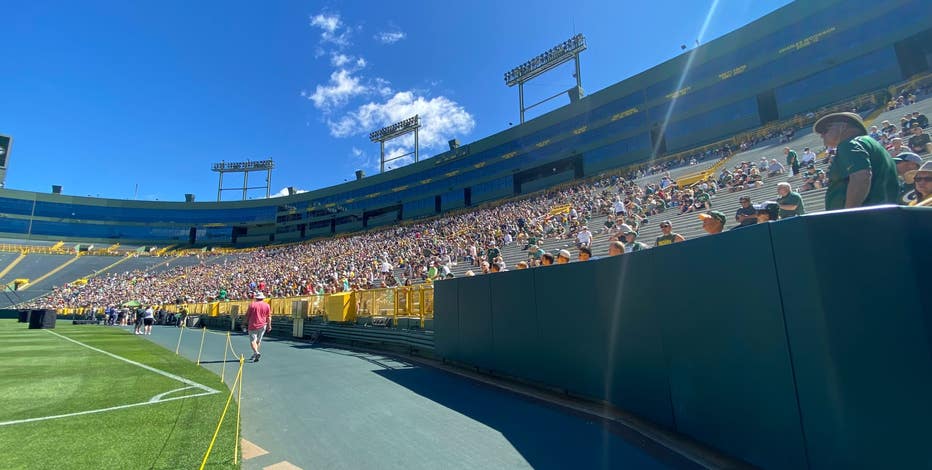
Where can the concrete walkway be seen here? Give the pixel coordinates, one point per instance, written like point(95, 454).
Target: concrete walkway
point(310, 407)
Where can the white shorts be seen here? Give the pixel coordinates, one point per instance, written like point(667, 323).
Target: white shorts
point(256, 335)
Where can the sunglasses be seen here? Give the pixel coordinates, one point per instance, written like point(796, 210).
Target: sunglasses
point(922, 179)
point(664, 225)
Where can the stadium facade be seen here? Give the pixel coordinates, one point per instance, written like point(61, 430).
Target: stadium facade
point(798, 58)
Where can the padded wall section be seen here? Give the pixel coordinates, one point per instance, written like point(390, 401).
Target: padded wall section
point(447, 319)
point(731, 379)
point(475, 322)
point(860, 334)
point(515, 326)
point(640, 375)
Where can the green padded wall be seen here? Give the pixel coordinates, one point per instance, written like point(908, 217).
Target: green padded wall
point(800, 343)
point(731, 380)
point(515, 326)
point(475, 325)
point(446, 326)
point(861, 335)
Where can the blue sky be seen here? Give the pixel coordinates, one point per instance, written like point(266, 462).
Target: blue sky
point(102, 96)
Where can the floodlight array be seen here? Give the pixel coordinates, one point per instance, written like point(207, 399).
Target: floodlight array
point(555, 56)
point(248, 165)
point(395, 129)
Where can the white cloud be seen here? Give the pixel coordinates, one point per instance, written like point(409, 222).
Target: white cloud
point(284, 192)
point(348, 62)
point(331, 26)
point(343, 127)
point(339, 60)
point(328, 23)
point(343, 86)
point(441, 120)
point(362, 160)
point(390, 37)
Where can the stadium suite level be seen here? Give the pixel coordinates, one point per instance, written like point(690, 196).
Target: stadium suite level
point(800, 57)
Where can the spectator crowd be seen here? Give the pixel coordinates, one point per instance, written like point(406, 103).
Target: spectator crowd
point(428, 251)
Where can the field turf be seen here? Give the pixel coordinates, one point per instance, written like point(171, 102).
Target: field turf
point(66, 405)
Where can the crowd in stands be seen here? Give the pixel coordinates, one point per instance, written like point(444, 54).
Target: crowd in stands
point(427, 251)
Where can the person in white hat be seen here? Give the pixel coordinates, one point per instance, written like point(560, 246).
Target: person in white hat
point(862, 171)
point(258, 322)
point(922, 179)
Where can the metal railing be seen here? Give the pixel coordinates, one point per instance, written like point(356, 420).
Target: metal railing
point(392, 303)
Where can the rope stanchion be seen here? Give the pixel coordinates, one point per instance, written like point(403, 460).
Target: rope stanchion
point(180, 332)
point(201, 349)
point(226, 407)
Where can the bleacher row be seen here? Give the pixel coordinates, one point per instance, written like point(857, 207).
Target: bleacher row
point(689, 224)
point(46, 271)
point(53, 270)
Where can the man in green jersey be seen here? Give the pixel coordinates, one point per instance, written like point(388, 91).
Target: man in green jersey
point(791, 203)
point(792, 160)
point(862, 172)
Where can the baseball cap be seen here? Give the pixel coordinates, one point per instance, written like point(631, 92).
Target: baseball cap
point(564, 253)
point(908, 157)
point(260, 295)
point(717, 215)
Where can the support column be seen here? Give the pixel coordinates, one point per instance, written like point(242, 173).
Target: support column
point(521, 99)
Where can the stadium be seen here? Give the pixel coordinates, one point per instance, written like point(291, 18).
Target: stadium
point(771, 346)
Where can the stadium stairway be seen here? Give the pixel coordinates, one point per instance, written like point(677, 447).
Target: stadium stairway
point(8, 261)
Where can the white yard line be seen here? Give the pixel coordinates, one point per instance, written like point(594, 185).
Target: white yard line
point(103, 410)
point(138, 364)
point(205, 390)
point(158, 397)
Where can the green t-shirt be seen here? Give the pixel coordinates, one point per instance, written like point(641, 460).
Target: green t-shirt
point(791, 199)
point(791, 157)
point(493, 253)
point(665, 239)
point(861, 153)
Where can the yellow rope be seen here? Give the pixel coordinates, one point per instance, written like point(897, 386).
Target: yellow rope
point(223, 415)
point(239, 403)
point(230, 343)
point(223, 371)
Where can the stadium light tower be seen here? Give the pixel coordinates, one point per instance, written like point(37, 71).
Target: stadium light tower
point(5, 143)
point(556, 56)
point(245, 168)
point(398, 129)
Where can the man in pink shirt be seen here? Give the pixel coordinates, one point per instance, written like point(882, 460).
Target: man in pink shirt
point(258, 321)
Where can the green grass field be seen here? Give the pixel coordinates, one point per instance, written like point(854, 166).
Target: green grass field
point(66, 405)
